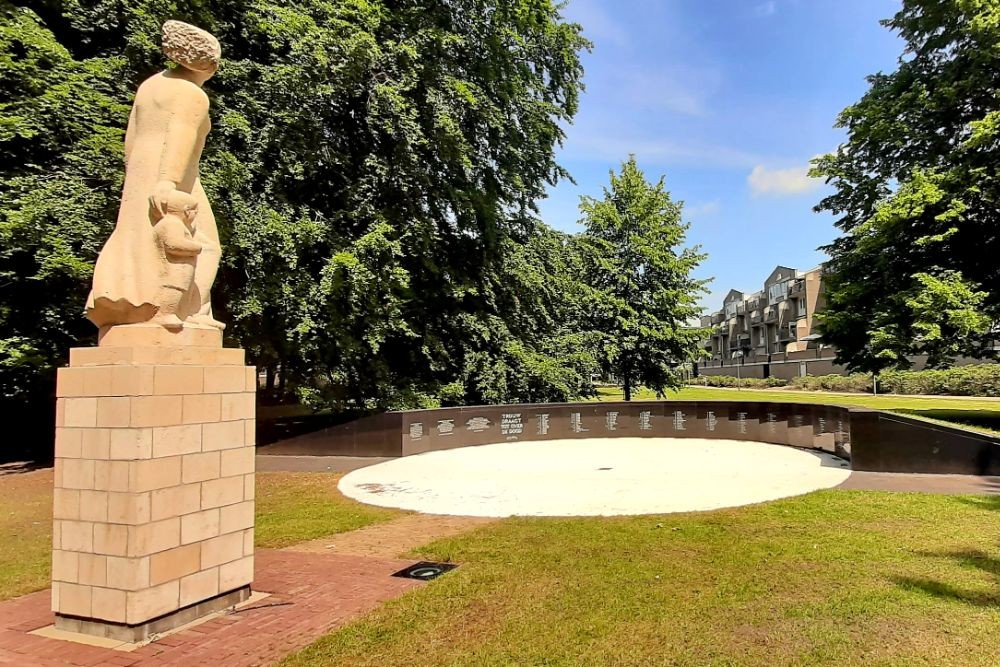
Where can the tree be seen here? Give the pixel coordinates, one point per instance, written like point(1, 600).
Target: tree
point(917, 195)
point(370, 165)
point(531, 344)
point(642, 294)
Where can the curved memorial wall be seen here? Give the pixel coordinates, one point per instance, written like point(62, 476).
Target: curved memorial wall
point(872, 440)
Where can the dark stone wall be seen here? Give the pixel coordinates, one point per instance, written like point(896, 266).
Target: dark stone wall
point(872, 440)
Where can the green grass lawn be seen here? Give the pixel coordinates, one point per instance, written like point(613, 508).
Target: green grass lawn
point(831, 578)
point(982, 414)
point(295, 507)
point(291, 507)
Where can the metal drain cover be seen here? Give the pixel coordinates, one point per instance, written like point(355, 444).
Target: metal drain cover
point(425, 570)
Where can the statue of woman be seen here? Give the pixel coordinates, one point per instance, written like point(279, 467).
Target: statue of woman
point(163, 144)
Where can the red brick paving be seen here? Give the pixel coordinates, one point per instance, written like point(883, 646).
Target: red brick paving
point(310, 594)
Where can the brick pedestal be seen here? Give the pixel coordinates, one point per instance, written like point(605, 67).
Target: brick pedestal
point(154, 482)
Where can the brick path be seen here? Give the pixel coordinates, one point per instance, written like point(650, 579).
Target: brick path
point(310, 594)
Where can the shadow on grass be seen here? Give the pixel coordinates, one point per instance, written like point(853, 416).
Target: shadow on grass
point(991, 502)
point(972, 559)
point(986, 419)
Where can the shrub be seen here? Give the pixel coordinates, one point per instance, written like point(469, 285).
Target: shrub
point(978, 380)
point(858, 382)
point(730, 381)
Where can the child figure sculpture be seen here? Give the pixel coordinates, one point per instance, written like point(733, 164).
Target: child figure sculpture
point(174, 234)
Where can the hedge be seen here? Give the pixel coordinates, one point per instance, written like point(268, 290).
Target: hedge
point(977, 380)
point(857, 382)
point(730, 381)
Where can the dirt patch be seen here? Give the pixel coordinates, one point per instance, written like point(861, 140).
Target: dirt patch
point(393, 538)
point(24, 482)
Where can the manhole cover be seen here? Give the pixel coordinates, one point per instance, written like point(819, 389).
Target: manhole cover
point(425, 571)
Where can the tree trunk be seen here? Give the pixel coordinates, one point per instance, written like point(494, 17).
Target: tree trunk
point(627, 383)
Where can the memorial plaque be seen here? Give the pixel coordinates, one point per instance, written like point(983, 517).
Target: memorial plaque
point(611, 420)
point(749, 427)
point(774, 424)
point(446, 427)
point(678, 420)
point(645, 420)
point(800, 426)
point(511, 425)
point(824, 430)
point(477, 424)
point(542, 423)
point(842, 440)
point(415, 436)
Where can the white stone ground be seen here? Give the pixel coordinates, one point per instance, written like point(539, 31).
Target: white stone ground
point(594, 477)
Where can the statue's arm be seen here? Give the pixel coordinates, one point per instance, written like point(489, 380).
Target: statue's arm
point(130, 135)
point(185, 247)
point(180, 142)
point(175, 243)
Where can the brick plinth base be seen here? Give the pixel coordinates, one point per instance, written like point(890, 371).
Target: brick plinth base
point(154, 479)
point(132, 634)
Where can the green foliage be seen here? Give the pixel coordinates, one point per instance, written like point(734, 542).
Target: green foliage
point(976, 380)
point(61, 129)
point(373, 168)
point(854, 383)
point(917, 193)
point(730, 381)
point(642, 292)
point(973, 380)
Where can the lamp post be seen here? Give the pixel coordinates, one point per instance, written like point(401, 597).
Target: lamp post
point(738, 354)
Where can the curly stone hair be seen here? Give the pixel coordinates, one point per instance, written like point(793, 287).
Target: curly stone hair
point(191, 47)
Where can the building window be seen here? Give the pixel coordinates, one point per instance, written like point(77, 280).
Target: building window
point(802, 307)
point(731, 310)
point(777, 292)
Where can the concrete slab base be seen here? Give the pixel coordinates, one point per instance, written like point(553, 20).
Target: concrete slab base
point(594, 477)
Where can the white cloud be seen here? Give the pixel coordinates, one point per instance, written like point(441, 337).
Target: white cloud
point(766, 8)
point(695, 211)
point(598, 144)
point(780, 182)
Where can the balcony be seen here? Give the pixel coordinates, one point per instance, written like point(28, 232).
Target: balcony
point(797, 287)
point(771, 314)
point(756, 318)
point(718, 318)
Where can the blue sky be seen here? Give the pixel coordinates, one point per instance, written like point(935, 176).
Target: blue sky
point(729, 99)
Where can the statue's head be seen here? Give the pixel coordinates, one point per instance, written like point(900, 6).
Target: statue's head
point(182, 205)
point(192, 48)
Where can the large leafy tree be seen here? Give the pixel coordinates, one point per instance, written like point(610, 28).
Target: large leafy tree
point(371, 165)
point(643, 295)
point(917, 195)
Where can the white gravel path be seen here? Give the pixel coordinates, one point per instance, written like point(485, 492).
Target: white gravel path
point(594, 477)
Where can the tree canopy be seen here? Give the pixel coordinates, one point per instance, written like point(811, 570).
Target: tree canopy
point(373, 167)
point(642, 293)
point(917, 194)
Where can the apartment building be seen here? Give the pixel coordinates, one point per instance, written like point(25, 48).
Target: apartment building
point(772, 332)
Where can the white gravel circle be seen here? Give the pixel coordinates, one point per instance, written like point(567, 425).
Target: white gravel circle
point(594, 477)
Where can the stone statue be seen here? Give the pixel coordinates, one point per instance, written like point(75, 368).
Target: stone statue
point(178, 252)
point(160, 262)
